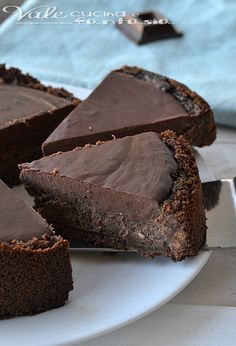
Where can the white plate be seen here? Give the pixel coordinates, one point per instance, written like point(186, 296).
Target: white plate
point(111, 290)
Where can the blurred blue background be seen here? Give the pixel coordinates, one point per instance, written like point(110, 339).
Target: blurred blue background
point(82, 54)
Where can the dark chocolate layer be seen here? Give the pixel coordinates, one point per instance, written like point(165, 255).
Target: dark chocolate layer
point(131, 101)
point(21, 102)
point(17, 220)
point(106, 109)
point(119, 102)
point(141, 165)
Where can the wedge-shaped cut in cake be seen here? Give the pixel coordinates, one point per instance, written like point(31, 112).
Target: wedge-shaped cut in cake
point(131, 101)
point(35, 270)
point(141, 192)
point(29, 112)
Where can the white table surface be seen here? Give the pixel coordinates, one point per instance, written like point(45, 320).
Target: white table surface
point(204, 313)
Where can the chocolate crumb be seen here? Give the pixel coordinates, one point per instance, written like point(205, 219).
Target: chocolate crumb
point(55, 171)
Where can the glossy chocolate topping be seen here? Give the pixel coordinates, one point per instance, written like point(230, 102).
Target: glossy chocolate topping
point(119, 102)
point(140, 165)
point(20, 102)
point(17, 220)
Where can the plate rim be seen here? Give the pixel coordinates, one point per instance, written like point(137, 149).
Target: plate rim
point(75, 341)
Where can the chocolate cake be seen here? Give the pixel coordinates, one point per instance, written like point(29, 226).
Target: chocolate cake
point(35, 270)
point(131, 101)
point(29, 112)
point(140, 192)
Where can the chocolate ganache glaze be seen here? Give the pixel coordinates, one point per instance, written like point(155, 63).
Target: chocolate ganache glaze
point(131, 101)
point(18, 101)
point(119, 103)
point(144, 103)
point(17, 220)
point(122, 164)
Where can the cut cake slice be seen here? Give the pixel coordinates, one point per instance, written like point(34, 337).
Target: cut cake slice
point(131, 101)
point(140, 192)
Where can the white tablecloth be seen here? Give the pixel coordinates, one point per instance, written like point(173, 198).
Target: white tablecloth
point(204, 313)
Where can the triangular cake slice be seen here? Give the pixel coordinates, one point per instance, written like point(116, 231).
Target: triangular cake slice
point(131, 101)
point(29, 112)
point(35, 271)
point(140, 192)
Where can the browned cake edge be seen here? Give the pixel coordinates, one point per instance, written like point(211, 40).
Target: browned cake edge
point(185, 201)
point(35, 275)
point(15, 76)
point(202, 130)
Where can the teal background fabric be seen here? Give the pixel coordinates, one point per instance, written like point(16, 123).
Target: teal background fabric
point(82, 54)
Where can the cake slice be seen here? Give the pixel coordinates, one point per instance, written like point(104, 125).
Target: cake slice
point(35, 270)
point(131, 101)
point(29, 112)
point(140, 192)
